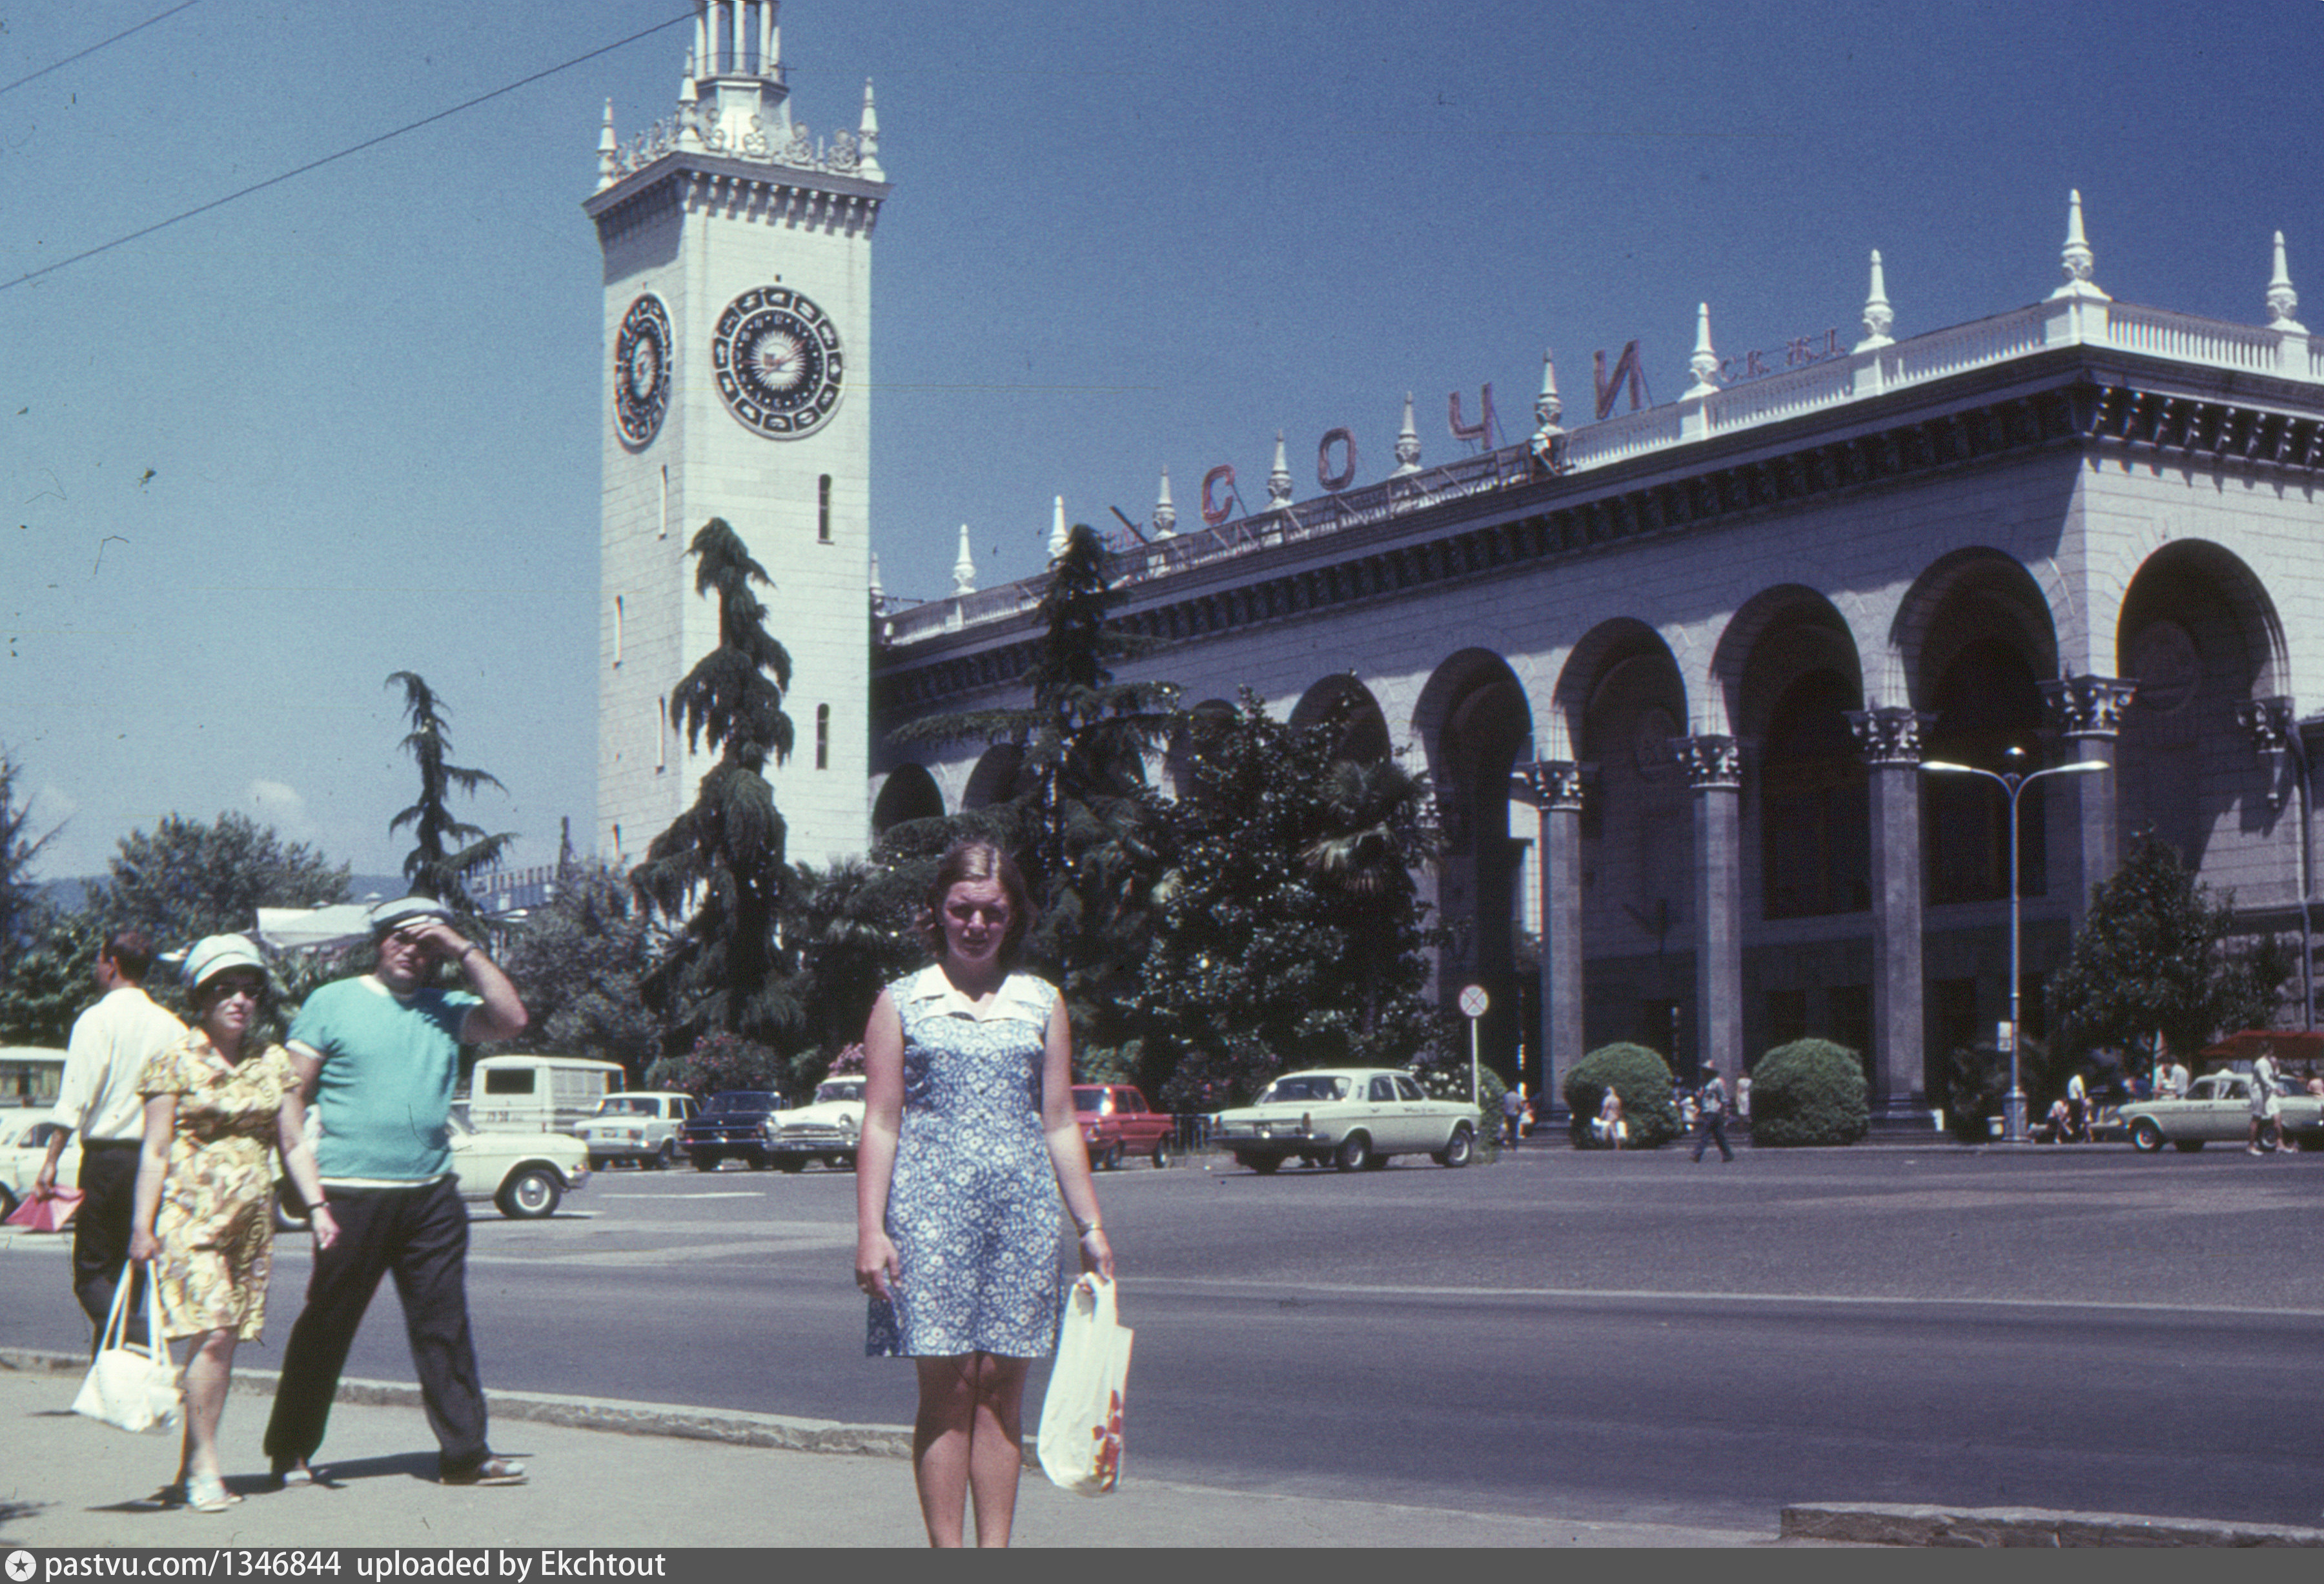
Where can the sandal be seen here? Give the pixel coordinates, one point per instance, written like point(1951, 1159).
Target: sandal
point(206, 1493)
point(297, 1476)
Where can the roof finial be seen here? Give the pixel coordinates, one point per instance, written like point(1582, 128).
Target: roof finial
point(876, 590)
point(964, 571)
point(1705, 361)
point(1166, 515)
point(1877, 315)
point(1057, 536)
point(1407, 443)
point(1278, 478)
point(609, 166)
point(2282, 301)
point(867, 140)
point(1547, 408)
point(2076, 258)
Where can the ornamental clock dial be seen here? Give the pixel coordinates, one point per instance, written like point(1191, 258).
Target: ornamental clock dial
point(777, 361)
point(641, 370)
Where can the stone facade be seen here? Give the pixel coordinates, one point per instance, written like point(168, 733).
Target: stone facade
point(1675, 674)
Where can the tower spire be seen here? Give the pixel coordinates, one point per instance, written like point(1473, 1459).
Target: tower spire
point(964, 571)
point(2282, 301)
point(1877, 315)
point(1057, 540)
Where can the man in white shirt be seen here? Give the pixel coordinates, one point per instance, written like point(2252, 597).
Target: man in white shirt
point(97, 1098)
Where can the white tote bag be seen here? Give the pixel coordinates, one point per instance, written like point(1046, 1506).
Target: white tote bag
point(131, 1386)
point(1081, 1418)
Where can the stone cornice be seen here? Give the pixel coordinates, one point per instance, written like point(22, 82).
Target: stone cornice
point(741, 190)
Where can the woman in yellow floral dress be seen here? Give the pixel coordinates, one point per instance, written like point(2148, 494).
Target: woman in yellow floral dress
point(217, 1107)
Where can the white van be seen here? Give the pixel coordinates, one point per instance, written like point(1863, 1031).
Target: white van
point(539, 1094)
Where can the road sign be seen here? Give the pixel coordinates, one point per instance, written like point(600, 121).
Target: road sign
point(1474, 1001)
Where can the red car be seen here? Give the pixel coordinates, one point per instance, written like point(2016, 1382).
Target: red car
point(1115, 1122)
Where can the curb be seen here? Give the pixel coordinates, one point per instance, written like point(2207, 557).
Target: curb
point(1899, 1523)
point(733, 1427)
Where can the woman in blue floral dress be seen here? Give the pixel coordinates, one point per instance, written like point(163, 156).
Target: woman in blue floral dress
point(968, 1140)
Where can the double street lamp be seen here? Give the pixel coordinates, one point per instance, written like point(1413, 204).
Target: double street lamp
point(2012, 783)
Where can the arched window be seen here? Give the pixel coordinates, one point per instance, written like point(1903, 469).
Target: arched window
point(1986, 704)
point(822, 510)
point(823, 736)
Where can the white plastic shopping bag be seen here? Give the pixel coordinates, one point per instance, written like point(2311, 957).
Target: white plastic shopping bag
point(131, 1386)
point(1081, 1418)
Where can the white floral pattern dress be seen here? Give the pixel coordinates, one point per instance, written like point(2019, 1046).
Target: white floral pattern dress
point(972, 1208)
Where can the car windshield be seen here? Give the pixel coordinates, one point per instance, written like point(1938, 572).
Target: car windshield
point(625, 1105)
point(840, 1090)
point(1088, 1099)
point(740, 1101)
point(1318, 1088)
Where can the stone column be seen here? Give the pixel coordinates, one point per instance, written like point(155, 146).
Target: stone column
point(2087, 712)
point(1890, 740)
point(1714, 769)
point(1556, 786)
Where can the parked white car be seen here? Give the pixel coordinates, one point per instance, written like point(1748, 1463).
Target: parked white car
point(523, 1175)
point(26, 1146)
point(1354, 1116)
point(2216, 1110)
point(639, 1128)
point(826, 1129)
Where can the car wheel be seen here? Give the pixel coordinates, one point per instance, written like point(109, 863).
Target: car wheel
point(791, 1163)
point(1161, 1151)
point(8, 1201)
point(530, 1196)
point(2145, 1135)
point(1460, 1148)
point(703, 1161)
point(661, 1160)
point(2188, 1145)
point(758, 1163)
point(1109, 1159)
point(1355, 1153)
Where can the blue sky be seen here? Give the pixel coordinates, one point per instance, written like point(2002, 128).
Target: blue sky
point(349, 425)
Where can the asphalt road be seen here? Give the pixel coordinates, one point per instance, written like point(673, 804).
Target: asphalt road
point(1605, 1337)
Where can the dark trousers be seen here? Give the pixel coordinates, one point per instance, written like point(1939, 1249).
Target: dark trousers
point(420, 1237)
point(108, 1186)
point(1714, 1130)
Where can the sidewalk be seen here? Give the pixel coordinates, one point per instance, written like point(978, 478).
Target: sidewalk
point(71, 1482)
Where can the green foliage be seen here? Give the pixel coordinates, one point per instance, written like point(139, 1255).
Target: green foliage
point(1266, 958)
point(1080, 821)
point(186, 879)
point(577, 962)
point(19, 895)
point(51, 978)
point(719, 1061)
point(1448, 1079)
point(435, 867)
point(1809, 1092)
point(1976, 1086)
point(1642, 1079)
point(717, 873)
point(1109, 1063)
point(850, 929)
point(2150, 959)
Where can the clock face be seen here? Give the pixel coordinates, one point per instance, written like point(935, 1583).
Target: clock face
point(641, 370)
point(777, 361)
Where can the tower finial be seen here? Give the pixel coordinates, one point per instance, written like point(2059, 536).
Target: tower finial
point(1407, 443)
point(609, 147)
point(1704, 364)
point(1166, 515)
point(2076, 258)
point(964, 571)
point(1278, 478)
point(2282, 301)
point(1877, 315)
point(1547, 408)
point(1059, 538)
point(867, 140)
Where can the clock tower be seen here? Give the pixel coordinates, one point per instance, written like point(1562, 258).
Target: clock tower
point(738, 334)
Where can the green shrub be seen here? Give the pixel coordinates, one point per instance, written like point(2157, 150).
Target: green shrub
point(1809, 1092)
point(1641, 1078)
point(1449, 1081)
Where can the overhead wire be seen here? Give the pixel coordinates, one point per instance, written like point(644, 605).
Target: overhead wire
point(93, 48)
point(368, 142)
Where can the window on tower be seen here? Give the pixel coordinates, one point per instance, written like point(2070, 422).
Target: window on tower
point(822, 510)
point(823, 736)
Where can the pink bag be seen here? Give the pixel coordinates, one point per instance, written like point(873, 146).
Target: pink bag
point(51, 1214)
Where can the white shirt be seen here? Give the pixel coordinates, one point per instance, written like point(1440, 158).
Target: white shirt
point(111, 1043)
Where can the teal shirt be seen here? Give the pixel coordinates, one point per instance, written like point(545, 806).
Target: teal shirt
point(384, 1095)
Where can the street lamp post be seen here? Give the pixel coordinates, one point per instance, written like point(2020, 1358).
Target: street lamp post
point(2012, 783)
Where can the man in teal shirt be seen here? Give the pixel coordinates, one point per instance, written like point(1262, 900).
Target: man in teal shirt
point(379, 1055)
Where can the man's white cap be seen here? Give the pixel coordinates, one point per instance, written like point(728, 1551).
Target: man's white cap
point(391, 916)
point(214, 954)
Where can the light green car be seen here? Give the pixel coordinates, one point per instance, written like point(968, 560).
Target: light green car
point(2217, 1111)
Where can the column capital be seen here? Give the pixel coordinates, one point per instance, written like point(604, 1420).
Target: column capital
point(2268, 721)
point(1890, 736)
point(1556, 783)
point(1712, 762)
point(2089, 706)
